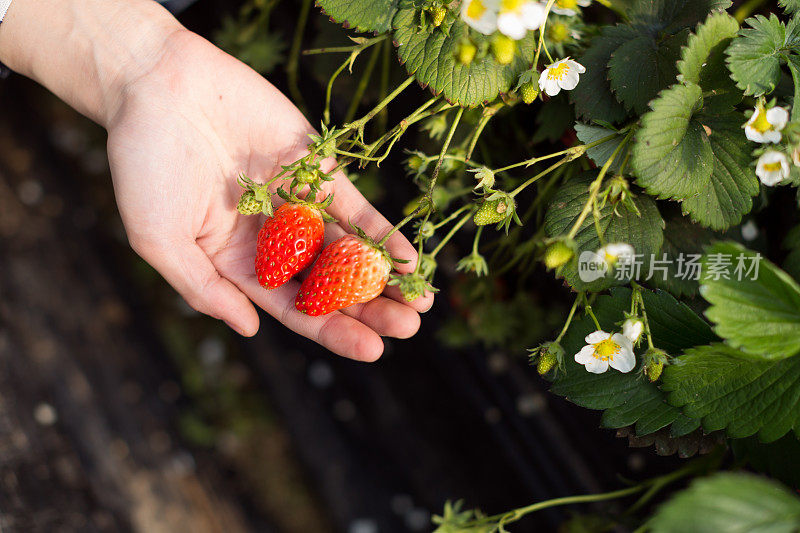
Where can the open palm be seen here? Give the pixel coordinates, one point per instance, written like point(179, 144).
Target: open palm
point(182, 134)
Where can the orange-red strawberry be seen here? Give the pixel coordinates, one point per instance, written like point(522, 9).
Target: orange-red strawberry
point(351, 270)
point(288, 242)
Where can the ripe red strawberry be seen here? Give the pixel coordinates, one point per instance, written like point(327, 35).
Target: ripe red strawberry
point(288, 242)
point(351, 270)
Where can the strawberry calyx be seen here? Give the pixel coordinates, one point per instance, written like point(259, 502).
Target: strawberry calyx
point(309, 202)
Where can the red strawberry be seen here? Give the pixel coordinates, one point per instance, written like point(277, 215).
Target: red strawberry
point(288, 242)
point(351, 270)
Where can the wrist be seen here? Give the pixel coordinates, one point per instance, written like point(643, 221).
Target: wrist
point(86, 51)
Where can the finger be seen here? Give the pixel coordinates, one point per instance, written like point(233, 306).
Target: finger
point(420, 305)
point(386, 317)
point(189, 270)
point(339, 333)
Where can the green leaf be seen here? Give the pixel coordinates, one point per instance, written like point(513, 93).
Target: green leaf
point(730, 390)
point(429, 55)
point(364, 15)
point(733, 183)
point(643, 66)
point(792, 262)
point(553, 118)
point(602, 152)
point(672, 156)
point(760, 316)
point(755, 55)
point(780, 459)
point(674, 15)
point(790, 6)
point(630, 398)
point(729, 503)
point(645, 233)
point(684, 241)
point(702, 60)
point(592, 97)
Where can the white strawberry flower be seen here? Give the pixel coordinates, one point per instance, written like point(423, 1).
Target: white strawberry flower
point(569, 8)
point(480, 15)
point(772, 168)
point(617, 252)
point(516, 17)
point(765, 125)
point(605, 350)
point(563, 74)
point(633, 328)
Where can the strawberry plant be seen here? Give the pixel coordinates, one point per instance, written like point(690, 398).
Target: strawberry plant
point(641, 153)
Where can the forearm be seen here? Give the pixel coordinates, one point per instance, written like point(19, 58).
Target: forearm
point(85, 51)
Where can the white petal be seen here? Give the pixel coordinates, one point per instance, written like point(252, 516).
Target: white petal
point(597, 366)
point(771, 136)
point(585, 355)
point(597, 336)
point(533, 15)
point(574, 65)
point(570, 80)
point(624, 361)
point(753, 134)
point(551, 87)
point(511, 26)
point(632, 329)
point(778, 117)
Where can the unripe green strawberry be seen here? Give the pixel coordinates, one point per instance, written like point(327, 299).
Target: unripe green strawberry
point(305, 176)
point(503, 49)
point(465, 52)
point(655, 360)
point(529, 92)
point(491, 212)
point(546, 362)
point(653, 370)
point(248, 205)
point(438, 13)
point(558, 254)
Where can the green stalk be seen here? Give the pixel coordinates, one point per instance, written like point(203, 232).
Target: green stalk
point(362, 85)
point(294, 55)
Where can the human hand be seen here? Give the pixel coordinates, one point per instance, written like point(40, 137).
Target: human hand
point(180, 136)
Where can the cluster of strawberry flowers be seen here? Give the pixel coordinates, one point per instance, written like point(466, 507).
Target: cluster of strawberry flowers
point(511, 20)
point(769, 125)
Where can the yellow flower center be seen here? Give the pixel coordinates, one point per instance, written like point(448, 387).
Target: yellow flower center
point(761, 124)
point(605, 350)
point(475, 9)
point(772, 167)
point(567, 4)
point(557, 72)
point(511, 5)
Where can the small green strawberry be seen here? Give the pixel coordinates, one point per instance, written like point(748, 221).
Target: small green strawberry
point(529, 92)
point(491, 212)
point(503, 49)
point(655, 360)
point(248, 205)
point(437, 14)
point(465, 52)
point(547, 356)
point(558, 254)
point(412, 286)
